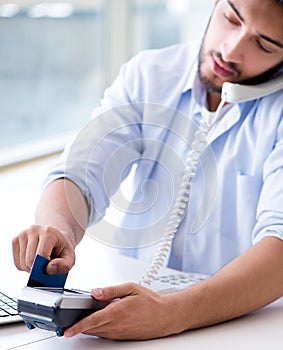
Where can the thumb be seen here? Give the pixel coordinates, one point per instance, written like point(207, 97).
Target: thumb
point(58, 266)
point(114, 292)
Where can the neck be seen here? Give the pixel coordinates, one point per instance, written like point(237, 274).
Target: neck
point(213, 99)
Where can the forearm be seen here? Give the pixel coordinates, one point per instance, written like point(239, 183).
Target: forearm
point(248, 283)
point(63, 206)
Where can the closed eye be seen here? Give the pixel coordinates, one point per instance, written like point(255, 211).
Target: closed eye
point(231, 20)
point(264, 48)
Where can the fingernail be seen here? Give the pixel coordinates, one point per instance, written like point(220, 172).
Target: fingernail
point(97, 292)
point(68, 334)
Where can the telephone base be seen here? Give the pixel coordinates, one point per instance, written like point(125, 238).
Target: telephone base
point(166, 284)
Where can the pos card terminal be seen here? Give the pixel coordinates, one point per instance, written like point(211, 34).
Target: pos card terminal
point(46, 304)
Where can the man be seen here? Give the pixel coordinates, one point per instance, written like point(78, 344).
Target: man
point(238, 238)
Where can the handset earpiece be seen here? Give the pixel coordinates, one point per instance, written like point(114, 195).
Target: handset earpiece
point(234, 93)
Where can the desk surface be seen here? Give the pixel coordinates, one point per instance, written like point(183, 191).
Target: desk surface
point(259, 330)
point(98, 266)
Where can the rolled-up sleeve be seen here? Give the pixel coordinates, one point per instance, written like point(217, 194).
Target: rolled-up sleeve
point(270, 206)
point(101, 154)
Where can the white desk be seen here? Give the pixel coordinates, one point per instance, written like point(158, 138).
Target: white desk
point(260, 330)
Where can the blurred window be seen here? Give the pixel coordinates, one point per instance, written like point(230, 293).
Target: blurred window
point(56, 59)
point(159, 23)
point(51, 73)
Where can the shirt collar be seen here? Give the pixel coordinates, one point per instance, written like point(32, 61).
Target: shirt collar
point(196, 88)
point(192, 77)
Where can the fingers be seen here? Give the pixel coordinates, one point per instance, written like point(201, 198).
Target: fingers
point(94, 322)
point(55, 246)
point(131, 316)
point(47, 242)
point(31, 247)
point(101, 318)
point(21, 245)
point(114, 292)
point(61, 266)
point(16, 253)
point(97, 323)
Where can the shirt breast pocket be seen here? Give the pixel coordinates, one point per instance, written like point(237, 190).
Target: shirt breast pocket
point(248, 189)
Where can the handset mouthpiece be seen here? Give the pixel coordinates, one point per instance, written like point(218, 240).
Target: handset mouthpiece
point(234, 93)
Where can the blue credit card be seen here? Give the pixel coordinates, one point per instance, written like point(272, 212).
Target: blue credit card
point(39, 278)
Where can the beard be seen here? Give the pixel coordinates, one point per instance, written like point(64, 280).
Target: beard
point(265, 76)
point(209, 83)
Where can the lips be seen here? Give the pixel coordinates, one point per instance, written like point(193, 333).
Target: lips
point(220, 69)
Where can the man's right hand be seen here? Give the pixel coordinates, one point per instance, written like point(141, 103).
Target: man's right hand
point(48, 242)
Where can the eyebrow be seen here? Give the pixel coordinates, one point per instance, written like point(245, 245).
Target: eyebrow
point(264, 37)
point(272, 41)
point(236, 11)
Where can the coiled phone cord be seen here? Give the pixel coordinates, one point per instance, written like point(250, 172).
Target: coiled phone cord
point(182, 200)
point(232, 93)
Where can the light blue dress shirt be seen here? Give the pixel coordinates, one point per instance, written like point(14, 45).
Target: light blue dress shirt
point(146, 122)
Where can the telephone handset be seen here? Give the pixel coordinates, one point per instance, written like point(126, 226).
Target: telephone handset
point(234, 93)
point(231, 93)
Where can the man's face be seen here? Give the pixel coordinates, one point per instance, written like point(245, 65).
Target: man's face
point(244, 40)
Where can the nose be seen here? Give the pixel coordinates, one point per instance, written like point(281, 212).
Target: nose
point(234, 47)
